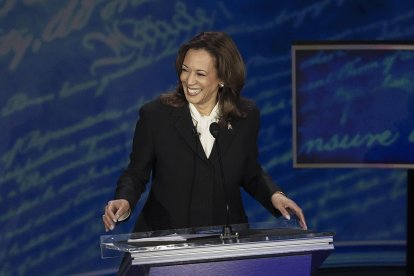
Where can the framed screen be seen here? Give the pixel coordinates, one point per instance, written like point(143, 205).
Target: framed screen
point(353, 105)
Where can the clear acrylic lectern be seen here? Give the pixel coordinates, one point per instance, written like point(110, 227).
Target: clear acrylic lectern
point(258, 249)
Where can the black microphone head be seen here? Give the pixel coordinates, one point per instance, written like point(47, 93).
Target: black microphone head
point(214, 129)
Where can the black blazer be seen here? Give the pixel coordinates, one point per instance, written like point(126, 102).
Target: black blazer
point(187, 189)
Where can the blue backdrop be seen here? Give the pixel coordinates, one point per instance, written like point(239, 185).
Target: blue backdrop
point(74, 74)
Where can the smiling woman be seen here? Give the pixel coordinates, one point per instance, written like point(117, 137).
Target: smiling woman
point(191, 193)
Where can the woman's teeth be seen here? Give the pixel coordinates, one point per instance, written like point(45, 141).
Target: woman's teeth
point(193, 91)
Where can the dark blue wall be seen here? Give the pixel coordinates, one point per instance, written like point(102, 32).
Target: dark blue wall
point(74, 73)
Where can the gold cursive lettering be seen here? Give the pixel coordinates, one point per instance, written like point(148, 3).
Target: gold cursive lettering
point(21, 101)
point(69, 19)
point(16, 43)
point(346, 141)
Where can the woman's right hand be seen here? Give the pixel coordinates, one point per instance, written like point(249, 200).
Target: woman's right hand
point(115, 210)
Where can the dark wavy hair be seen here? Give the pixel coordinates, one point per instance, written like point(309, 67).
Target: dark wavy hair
point(230, 70)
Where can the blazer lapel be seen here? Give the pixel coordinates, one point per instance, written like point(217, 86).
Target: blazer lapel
point(184, 126)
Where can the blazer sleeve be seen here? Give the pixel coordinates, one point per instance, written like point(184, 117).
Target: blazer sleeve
point(132, 182)
point(257, 182)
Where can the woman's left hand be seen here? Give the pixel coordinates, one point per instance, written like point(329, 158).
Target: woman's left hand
point(284, 204)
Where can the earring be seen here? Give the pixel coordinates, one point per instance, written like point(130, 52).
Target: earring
point(221, 85)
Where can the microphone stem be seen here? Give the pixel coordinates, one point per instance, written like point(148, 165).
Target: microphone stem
point(227, 232)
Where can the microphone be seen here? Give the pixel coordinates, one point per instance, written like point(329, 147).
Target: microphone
point(227, 232)
point(214, 130)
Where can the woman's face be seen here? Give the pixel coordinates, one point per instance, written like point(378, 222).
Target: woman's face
point(199, 80)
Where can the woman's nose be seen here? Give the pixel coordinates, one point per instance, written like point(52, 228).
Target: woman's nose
point(191, 79)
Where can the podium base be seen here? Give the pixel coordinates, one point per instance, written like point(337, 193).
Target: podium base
point(289, 265)
point(298, 265)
